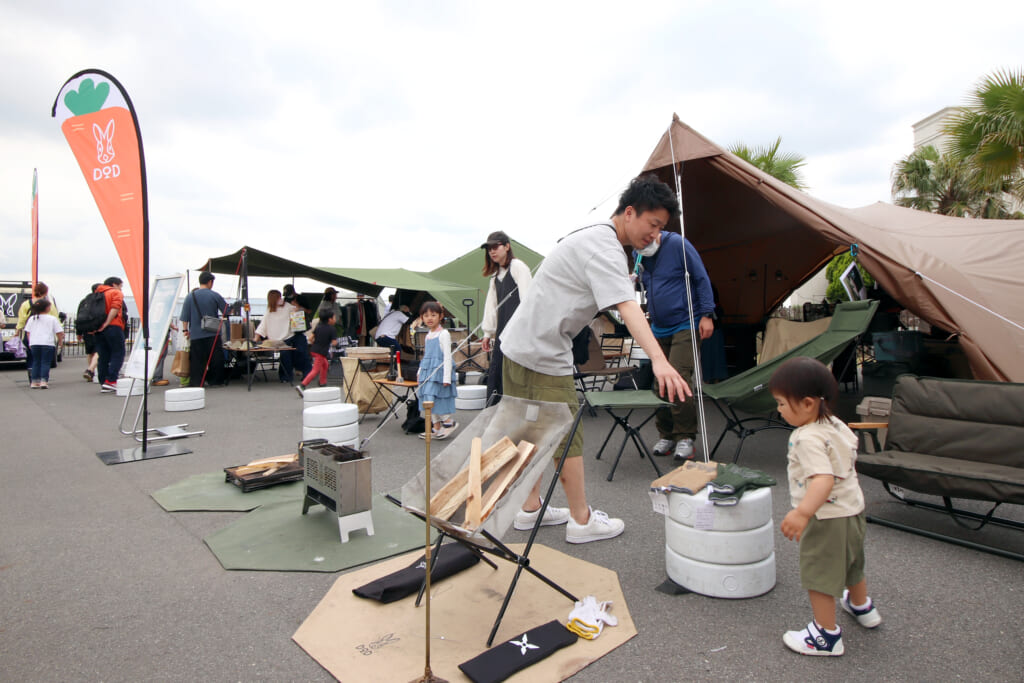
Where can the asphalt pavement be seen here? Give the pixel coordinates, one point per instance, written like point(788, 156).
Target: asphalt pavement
point(99, 583)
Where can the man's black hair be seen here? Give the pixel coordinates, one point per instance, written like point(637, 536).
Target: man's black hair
point(112, 280)
point(647, 193)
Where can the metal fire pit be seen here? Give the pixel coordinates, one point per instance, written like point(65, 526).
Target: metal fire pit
point(337, 477)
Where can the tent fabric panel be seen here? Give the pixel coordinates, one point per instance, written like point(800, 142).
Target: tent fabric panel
point(449, 294)
point(975, 258)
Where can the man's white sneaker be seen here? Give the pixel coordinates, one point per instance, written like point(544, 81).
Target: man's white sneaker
point(552, 517)
point(600, 527)
point(684, 450)
point(663, 447)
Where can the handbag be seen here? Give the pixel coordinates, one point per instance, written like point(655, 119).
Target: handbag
point(181, 367)
point(208, 323)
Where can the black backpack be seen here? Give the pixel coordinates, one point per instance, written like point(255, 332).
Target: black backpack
point(414, 422)
point(92, 313)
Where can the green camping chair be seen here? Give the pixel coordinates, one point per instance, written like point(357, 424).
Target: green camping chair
point(748, 392)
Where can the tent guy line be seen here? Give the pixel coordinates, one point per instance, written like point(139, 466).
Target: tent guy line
point(968, 300)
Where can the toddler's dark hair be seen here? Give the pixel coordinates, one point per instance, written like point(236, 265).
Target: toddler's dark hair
point(39, 306)
point(433, 307)
point(325, 315)
point(800, 377)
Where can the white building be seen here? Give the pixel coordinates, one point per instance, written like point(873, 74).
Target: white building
point(930, 129)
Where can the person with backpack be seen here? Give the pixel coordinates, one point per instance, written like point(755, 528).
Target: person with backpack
point(39, 292)
point(109, 336)
point(85, 328)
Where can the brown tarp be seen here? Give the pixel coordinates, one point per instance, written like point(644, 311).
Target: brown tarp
point(761, 239)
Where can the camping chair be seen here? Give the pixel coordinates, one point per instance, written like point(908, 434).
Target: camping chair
point(748, 391)
point(592, 375)
point(620, 405)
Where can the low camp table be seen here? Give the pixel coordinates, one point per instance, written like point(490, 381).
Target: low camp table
point(399, 390)
point(264, 357)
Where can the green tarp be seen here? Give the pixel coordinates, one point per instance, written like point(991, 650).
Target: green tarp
point(263, 264)
point(451, 284)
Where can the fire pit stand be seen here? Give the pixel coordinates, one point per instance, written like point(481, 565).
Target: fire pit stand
point(339, 478)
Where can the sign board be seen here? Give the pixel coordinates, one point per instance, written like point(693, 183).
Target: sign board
point(161, 311)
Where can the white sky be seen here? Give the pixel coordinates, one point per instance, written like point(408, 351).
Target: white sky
point(401, 133)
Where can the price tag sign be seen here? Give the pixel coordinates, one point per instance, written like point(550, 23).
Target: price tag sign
point(659, 501)
point(705, 517)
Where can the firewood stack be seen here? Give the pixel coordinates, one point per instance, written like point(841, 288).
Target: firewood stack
point(498, 467)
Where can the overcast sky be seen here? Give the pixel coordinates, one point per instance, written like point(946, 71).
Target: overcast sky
point(401, 133)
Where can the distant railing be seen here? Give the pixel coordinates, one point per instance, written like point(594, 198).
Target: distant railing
point(74, 345)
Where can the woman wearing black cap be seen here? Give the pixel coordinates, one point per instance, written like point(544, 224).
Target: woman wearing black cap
point(330, 303)
point(510, 279)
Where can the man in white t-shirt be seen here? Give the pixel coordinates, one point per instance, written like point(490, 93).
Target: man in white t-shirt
point(389, 327)
point(585, 274)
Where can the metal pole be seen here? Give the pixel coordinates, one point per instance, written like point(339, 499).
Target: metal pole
point(428, 675)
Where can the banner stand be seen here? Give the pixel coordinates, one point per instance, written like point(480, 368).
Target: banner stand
point(160, 450)
point(152, 433)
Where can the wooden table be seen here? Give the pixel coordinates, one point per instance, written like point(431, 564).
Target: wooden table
point(394, 387)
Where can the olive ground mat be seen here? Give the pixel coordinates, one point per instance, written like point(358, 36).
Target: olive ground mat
point(363, 640)
point(278, 537)
point(211, 492)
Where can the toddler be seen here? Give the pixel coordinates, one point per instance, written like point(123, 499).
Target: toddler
point(44, 334)
point(435, 373)
point(828, 506)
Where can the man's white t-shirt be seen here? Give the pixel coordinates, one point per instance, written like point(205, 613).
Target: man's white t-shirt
point(391, 324)
point(585, 274)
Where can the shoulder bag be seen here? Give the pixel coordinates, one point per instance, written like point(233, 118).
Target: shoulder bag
point(208, 323)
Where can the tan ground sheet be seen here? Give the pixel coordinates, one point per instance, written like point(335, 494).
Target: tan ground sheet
point(362, 640)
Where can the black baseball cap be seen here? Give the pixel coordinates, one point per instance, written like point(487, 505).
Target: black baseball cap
point(495, 238)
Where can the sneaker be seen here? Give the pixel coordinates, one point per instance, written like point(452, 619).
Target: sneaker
point(814, 641)
point(88, 375)
point(552, 517)
point(161, 383)
point(599, 528)
point(108, 387)
point(868, 617)
point(433, 433)
point(684, 450)
point(446, 430)
point(300, 391)
point(663, 447)
point(33, 385)
point(43, 385)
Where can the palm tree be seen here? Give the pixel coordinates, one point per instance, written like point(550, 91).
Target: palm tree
point(785, 167)
point(941, 183)
point(989, 132)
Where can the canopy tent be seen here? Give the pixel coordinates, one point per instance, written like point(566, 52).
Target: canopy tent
point(451, 284)
point(448, 293)
point(263, 264)
point(760, 239)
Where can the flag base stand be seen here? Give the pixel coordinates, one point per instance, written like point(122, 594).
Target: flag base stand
point(139, 453)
